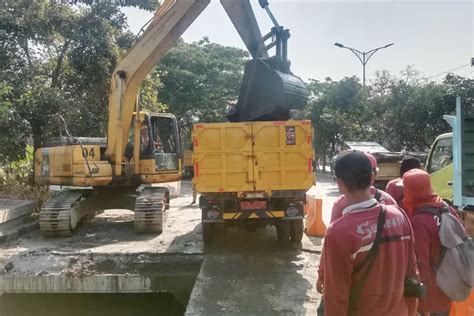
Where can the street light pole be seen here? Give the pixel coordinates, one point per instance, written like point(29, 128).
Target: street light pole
point(363, 56)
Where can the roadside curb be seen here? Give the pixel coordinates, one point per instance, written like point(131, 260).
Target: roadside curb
point(325, 176)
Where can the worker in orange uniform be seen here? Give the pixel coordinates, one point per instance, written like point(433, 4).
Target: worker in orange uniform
point(363, 274)
point(418, 193)
point(395, 186)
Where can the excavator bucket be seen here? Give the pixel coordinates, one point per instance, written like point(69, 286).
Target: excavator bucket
point(267, 94)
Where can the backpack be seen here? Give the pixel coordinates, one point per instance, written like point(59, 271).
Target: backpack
point(455, 268)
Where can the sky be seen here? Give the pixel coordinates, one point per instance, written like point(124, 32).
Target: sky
point(434, 36)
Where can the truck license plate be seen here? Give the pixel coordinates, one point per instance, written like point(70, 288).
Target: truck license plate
point(253, 205)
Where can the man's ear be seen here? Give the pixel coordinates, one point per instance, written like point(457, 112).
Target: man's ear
point(341, 185)
point(372, 178)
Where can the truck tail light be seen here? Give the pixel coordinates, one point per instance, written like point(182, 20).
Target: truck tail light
point(196, 169)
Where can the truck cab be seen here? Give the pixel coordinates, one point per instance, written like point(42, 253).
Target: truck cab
point(440, 166)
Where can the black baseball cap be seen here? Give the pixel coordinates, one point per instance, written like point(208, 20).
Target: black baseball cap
point(352, 162)
point(409, 163)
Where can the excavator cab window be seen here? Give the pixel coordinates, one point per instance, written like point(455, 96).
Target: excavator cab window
point(146, 148)
point(165, 141)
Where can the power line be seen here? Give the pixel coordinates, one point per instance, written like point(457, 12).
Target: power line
point(445, 72)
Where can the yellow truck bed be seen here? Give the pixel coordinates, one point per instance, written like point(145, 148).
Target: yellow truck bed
point(188, 159)
point(253, 156)
point(389, 167)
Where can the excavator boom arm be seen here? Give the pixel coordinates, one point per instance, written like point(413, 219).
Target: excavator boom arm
point(168, 24)
point(165, 28)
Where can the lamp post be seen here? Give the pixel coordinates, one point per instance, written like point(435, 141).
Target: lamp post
point(363, 56)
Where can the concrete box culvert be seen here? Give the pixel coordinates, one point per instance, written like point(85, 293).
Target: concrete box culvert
point(108, 273)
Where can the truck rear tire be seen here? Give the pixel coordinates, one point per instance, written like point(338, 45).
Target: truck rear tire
point(283, 230)
point(207, 233)
point(296, 230)
point(213, 233)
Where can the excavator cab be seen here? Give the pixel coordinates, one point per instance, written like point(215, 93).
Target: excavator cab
point(165, 139)
point(159, 140)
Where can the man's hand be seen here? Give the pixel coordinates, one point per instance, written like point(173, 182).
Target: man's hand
point(320, 286)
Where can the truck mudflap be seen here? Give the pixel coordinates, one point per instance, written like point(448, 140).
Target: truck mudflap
point(215, 215)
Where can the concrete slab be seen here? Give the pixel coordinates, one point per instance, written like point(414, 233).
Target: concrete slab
point(76, 273)
point(18, 221)
point(256, 283)
point(27, 225)
point(11, 209)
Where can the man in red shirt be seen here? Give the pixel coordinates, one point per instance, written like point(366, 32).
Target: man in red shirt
point(418, 193)
point(348, 240)
point(384, 198)
point(341, 203)
point(395, 186)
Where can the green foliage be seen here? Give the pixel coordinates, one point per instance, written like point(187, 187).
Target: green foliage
point(58, 59)
point(142, 4)
point(16, 180)
point(336, 113)
point(19, 171)
point(404, 113)
point(149, 94)
point(200, 81)
point(13, 130)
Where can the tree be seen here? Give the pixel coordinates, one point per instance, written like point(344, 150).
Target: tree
point(58, 59)
point(149, 5)
point(13, 144)
point(338, 113)
point(400, 113)
point(200, 80)
point(409, 115)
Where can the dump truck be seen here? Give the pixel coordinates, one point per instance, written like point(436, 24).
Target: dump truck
point(253, 174)
point(451, 164)
point(254, 170)
point(388, 162)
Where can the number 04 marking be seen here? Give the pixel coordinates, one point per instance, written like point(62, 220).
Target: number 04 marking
point(88, 153)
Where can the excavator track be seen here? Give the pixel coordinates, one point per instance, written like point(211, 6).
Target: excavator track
point(55, 214)
point(150, 207)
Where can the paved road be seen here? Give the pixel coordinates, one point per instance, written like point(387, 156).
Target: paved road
point(253, 275)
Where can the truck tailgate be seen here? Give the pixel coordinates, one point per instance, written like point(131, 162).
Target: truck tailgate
point(253, 156)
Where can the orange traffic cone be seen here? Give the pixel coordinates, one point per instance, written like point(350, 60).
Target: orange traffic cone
point(464, 308)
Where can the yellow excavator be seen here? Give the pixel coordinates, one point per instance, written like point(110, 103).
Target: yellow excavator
point(141, 149)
